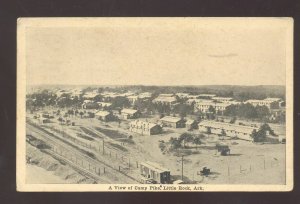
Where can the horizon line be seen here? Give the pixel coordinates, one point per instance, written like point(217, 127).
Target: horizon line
point(153, 85)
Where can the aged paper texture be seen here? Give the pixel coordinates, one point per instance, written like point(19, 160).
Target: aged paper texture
point(154, 104)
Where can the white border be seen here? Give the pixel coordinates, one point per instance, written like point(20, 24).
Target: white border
point(23, 23)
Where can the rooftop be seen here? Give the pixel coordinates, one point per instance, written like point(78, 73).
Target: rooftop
point(170, 119)
point(143, 123)
point(227, 126)
point(102, 113)
point(190, 121)
point(129, 111)
point(155, 166)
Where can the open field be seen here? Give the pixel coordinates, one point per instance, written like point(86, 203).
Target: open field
point(248, 163)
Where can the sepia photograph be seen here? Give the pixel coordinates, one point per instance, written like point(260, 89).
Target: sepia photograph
point(155, 104)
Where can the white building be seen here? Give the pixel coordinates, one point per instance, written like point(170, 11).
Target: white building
point(104, 105)
point(90, 95)
point(130, 113)
point(182, 95)
point(132, 99)
point(195, 100)
point(104, 115)
point(204, 106)
point(231, 130)
point(222, 99)
point(144, 128)
point(145, 95)
point(167, 100)
point(207, 95)
point(268, 102)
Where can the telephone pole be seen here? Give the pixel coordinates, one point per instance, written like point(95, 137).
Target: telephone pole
point(103, 146)
point(182, 167)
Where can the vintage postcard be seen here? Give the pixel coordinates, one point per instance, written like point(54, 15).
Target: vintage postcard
point(154, 104)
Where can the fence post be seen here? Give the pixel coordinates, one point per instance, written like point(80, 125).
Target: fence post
point(104, 170)
point(228, 171)
point(137, 164)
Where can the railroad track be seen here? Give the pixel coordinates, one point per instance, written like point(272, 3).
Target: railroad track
point(77, 168)
point(58, 143)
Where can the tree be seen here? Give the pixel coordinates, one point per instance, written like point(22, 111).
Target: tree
point(212, 109)
point(98, 98)
point(120, 102)
point(262, 112)
point(261, 134)
point(232, 121)
point(81, 114)
point(197, 141)
point(175, 143)
point(162, 146)
point(185, 138)
point(183, 110)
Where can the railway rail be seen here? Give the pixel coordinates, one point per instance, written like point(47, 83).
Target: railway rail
point(57, 143)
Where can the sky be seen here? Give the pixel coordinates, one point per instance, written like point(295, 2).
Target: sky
point(161, 53)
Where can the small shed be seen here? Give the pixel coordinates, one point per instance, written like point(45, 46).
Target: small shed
point(104, 115)
point(46, 120)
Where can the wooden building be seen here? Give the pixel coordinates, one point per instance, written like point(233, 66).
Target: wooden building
point(104, 116)
point(130, 113)
point(145, 128)
point(230, 130)
point(154, 171)
point(174, 122)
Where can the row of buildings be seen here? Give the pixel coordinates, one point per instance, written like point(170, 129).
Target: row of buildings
point(112, 115)
point(242, 132)
point(202, 102)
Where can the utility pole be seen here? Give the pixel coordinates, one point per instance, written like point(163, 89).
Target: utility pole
point(103, 145)
point(182, 167)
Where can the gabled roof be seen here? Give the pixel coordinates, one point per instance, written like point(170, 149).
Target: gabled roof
point(103, 104)
point(90, 95)
point(228, 126)
point(143, 123)
point(190, 121)
point(155, 166)
point(222, 98)
point(87, 101)
point(129, 111)
point(165, 99)
point(102, 113)
point(171, 119)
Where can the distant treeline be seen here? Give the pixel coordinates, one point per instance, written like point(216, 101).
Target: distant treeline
point(240, 93)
